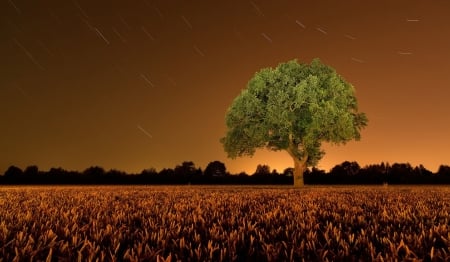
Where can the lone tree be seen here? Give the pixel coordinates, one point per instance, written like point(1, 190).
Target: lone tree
point(294, 107)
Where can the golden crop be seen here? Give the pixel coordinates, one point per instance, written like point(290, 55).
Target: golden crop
point(219, 223)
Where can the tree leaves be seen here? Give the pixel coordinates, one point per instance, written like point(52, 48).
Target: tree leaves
point(294, 106)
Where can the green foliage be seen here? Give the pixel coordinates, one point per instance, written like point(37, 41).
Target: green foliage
point(294, 107)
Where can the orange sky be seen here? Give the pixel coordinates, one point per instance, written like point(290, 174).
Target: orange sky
point(139, 84)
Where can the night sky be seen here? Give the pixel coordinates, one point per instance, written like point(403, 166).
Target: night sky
point(135, 84)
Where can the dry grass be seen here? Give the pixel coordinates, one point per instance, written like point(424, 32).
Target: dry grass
point(224, 223)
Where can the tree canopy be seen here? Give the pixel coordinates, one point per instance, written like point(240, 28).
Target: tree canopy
point(293, 107)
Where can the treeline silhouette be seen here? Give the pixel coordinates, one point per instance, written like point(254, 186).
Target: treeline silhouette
point(216, 173)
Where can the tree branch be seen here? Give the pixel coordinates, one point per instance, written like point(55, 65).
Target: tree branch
point(294, 151)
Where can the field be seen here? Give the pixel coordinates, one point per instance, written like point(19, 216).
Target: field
point(214, 223)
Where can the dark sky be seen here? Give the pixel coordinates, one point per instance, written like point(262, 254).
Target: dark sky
point(134, 84)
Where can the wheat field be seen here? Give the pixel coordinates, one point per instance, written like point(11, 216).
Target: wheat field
point(224, 223)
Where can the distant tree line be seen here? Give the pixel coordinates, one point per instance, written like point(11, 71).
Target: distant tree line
point(216, 173)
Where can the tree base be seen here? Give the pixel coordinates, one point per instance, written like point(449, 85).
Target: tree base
point(298, 181)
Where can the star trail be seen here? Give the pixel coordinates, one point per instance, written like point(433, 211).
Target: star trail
point(131, 85)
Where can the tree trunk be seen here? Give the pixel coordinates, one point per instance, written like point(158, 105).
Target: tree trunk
point(299, 169)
